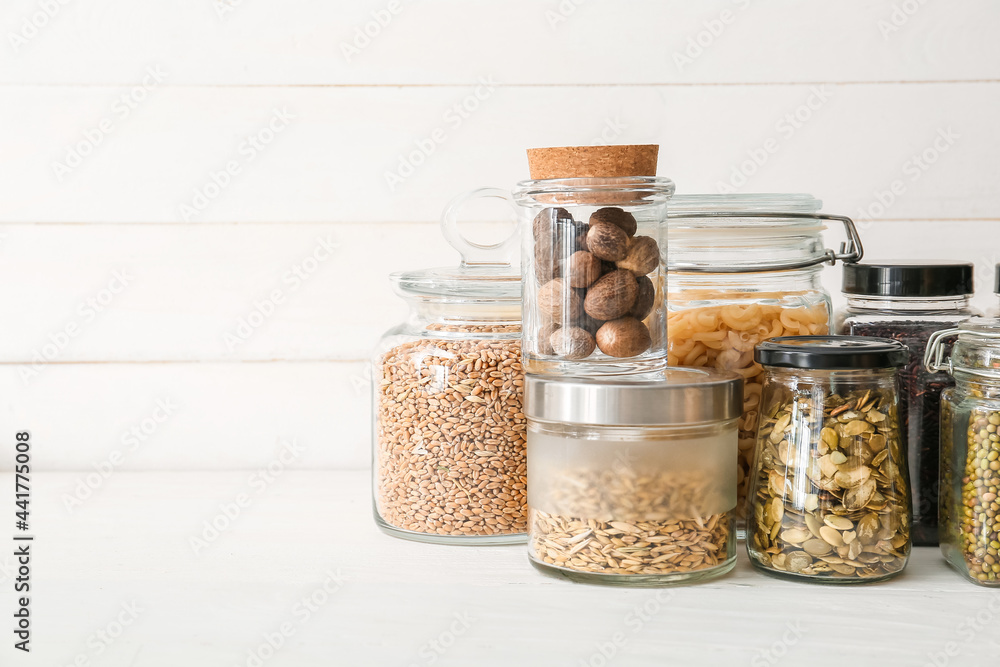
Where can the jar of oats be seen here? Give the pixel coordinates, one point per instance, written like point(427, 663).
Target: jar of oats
point(632, 481)
point(743, 268)
point(449, 430)
point(969, 510)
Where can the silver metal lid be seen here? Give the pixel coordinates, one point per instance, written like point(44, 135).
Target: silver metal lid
point(672, 397)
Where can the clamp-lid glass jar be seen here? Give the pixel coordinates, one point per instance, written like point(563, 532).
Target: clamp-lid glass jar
point(632, 480)
point(744, 268)
point(449, 430)
point(593, 274)
point(969, 511)
point(908, 301)
point(829, 496)
point(995, 311)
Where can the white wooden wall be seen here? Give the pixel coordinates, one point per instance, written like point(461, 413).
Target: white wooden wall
point(113, 115)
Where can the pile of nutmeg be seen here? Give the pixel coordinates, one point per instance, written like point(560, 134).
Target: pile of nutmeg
point(593, 287)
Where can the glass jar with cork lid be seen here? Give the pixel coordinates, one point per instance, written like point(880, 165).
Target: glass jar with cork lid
point(592, 260)
point(448, 424)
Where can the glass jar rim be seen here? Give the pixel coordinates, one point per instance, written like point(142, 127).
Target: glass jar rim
point(752, 202)
point(636, 190)
point(467, 282)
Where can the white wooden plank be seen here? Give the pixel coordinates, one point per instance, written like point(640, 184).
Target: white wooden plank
point(200, 292)
point(192, 292)
point(190, 416)
point(330, 162)
point(454, 42)
point(131, 543)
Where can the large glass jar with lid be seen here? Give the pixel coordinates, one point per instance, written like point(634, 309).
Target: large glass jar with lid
point(829, 496)
point(448, 424)
point(632, 481)
point(969, 511)
point(908, 301)
point(744, 268)
point(592, 261)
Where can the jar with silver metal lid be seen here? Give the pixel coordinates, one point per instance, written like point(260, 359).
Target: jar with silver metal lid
point(969, 491)
point(631, 477)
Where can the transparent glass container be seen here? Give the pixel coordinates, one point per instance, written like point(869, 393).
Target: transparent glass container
point(448, 425)
point(969, 512)
point(631, 482)
point(995, 310)
point(908, 302)
point(743, 269)
point(592, 261)
point(829, 495)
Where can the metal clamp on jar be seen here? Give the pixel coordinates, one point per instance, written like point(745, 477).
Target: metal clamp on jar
point(632, 480)
point(969, 510)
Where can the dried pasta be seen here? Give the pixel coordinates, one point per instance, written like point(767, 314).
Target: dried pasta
point(724, 337)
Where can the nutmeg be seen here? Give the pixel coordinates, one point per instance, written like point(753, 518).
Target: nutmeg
point(644, 299)
point(612, 296)
point(615, 216)
point(548, 220)
point(581, 269)
point(607, 241)
point(558, 301)
point(581, 229)
point(572, 342)
point(544, 344)
point(642, 255)
point(625, 337)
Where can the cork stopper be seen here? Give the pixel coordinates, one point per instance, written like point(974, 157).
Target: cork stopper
point(593, 161)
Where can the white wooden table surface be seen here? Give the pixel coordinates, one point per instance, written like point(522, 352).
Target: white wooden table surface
point(303, 565)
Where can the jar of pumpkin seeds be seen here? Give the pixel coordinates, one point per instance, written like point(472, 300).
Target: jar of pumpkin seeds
point(829, 499)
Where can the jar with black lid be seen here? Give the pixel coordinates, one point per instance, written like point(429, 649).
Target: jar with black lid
point(908, 301)
point(829, 497)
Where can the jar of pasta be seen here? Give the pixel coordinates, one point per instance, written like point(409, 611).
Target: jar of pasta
point(743, 269)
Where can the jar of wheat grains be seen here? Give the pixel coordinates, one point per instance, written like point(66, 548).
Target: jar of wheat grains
point(449, 431)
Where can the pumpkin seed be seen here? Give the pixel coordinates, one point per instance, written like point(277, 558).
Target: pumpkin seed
point(831, 536)
point(838, 522)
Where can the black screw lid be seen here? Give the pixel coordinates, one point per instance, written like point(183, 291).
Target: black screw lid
point(832, 352)
point(904, 278)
